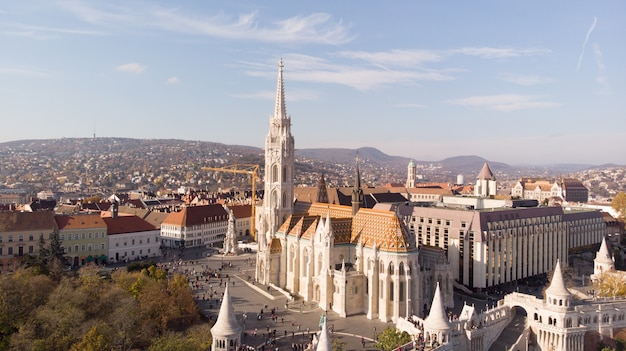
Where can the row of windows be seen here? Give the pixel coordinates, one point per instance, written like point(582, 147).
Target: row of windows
point(89, 247)
point(19, 238)
point(83, 236)
point(20, 250)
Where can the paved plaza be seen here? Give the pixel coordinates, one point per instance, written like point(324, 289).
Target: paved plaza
point(295, 321)
point(292, 325)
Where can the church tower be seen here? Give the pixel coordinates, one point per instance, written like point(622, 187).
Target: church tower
point(278, 195)
point(226, 331)
point(279, 164)
point(357, 191)
point(410, 179)
point(485, 183)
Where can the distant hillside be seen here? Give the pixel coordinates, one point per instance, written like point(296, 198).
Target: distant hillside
point(472, 162)
point(348, 156)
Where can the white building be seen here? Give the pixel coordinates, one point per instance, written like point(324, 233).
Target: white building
point(195, 226)
point(131, 238)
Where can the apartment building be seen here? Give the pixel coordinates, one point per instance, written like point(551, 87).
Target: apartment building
point(20, 233)
point(84, 238)
point(195, 226)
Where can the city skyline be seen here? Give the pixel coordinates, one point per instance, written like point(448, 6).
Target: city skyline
point(517, 83)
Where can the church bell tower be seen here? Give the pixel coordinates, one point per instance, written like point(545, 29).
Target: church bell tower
point(279, 164)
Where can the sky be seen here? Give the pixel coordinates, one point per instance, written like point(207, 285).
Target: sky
point(520, 82)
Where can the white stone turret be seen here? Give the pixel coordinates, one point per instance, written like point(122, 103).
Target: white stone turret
point(226, 332)
point(603, 262)
point(557, 294)
point(324, 342)
point(485, 183)
point(436, 325)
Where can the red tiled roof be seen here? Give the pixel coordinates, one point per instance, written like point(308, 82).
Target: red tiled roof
point(127, 224)
point(241, 211)
point(196, 215)
point(26, 221)
point(79, 221)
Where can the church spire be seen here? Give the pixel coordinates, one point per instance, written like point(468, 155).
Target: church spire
point(322, 192)
point(280, 110)
point(357, 192)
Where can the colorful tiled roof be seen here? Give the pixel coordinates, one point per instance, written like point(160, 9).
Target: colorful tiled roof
point(368, 226)
point(197, 215)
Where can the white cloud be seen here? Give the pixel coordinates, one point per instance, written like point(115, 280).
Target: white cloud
point(401, 58)
point(582, 51)
point(45, 33)
point(503, 102)
point(132, 67)
point(173, 80)
point(314, 28)
point(487, 52)
point(315, 69)
point(317, 28)
point(526, 80)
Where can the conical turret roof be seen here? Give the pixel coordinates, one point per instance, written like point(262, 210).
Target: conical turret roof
point(226, 324)
point(485, 173)
point(557, 285)
point(324, 343)
point(603, 255)
point(437, 319)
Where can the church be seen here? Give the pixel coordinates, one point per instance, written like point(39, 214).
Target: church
point(348, 259)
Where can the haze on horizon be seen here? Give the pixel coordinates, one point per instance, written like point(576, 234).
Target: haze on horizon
point(529, 82)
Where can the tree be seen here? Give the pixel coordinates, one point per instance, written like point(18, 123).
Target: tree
point(391, 338)
point(610, 284)
point(619, 205)
point(337, 344)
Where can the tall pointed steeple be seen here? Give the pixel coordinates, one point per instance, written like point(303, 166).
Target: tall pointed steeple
point(357, 191)
point(278, 178)
point(322, 192)
point(226, 331)
point(280, 110)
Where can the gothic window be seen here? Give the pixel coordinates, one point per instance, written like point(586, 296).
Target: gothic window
point(284, 174)
point(401, 269)
point(391, 291)
point(319, 264)
point(390, 268)
point(274, 173)
point(284, 200)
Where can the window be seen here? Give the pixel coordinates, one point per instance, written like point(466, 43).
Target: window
point(10, 238)
point(31, 237)
point(75, 248)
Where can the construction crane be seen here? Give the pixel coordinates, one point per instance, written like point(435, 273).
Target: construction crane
point(253, 172)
